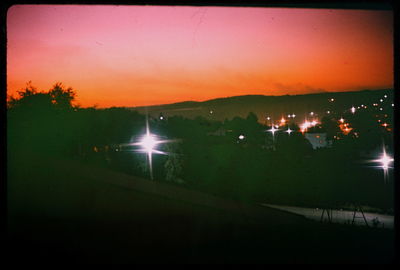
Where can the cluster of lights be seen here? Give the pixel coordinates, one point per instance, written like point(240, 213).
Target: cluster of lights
point(345, 128)
point(149, 141)
point(306, 125)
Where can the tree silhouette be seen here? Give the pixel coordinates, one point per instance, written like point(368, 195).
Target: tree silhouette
point(30, 99)
point(62, 97)
point(41, 120)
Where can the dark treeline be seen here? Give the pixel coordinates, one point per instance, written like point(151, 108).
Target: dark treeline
point(235, 158)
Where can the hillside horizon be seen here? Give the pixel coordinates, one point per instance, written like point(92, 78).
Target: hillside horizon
point(265, 106)
point(258, 95)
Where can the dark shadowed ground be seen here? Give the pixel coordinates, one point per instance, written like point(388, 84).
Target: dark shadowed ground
point(63, 211)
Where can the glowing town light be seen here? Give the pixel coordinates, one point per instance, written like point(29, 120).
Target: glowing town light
point(381, 109)
point(341, 120)
point(161, 118)
point(381, 100)
point(289, 116)
point(305, 126)
point(353, 110)
point(385, 124)
point(273, 130)
point(293, 115)
point(283, 121)
point(385, 96)
point(148, 143)
point(211, 112)
point(328, 112)
point(385, 161)
point(289, 131)
point(392, 104)
point(311, 113)
point(268, 118)
point(241, 137)
point(313, 122)
point(332, 100)
point(276, 126)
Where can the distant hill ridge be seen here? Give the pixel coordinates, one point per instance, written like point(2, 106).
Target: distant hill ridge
point(272, 106)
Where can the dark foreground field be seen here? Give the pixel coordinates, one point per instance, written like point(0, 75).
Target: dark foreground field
point(62, 211)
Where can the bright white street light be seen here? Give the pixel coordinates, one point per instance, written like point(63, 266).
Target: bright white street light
point(385, 160)
point(148, 143)
point(273, 130)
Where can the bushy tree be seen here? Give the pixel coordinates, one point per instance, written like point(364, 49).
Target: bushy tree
point(62, 97)
point(173, 165)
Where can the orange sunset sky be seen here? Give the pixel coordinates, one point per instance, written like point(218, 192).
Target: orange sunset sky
point(145, 55)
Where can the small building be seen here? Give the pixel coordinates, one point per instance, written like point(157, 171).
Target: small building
point(318, 140)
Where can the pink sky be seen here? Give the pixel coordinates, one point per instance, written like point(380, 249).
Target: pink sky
point(144, 55)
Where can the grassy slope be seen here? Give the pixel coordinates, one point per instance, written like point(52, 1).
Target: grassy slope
point(64, 211)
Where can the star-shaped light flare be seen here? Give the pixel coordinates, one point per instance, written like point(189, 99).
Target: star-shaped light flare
point(273, 130)
point(148, 143)
point(385, 161)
